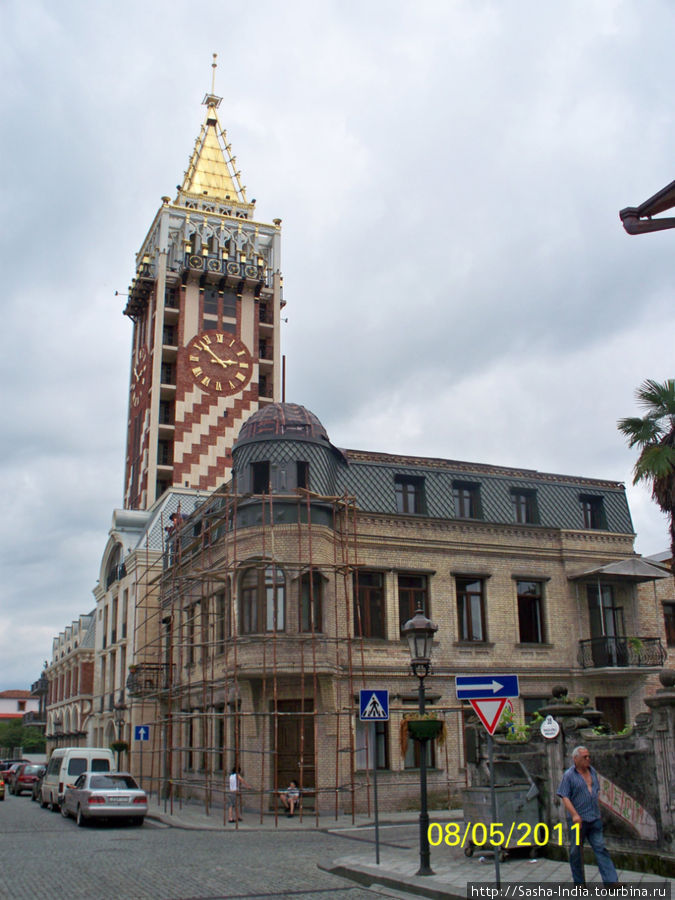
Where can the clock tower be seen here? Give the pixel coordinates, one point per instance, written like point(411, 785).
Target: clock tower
point(205, 304)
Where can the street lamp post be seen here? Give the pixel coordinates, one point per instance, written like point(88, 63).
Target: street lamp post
point(419, 632)
point(119, 709)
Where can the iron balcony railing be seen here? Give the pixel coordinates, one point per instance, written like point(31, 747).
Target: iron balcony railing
point(617, 652)
point(33, 717)
point(146, 679)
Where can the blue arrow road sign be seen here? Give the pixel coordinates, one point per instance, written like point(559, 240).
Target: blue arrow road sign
point(142, 733)
point(484, 687)
point(373, 706)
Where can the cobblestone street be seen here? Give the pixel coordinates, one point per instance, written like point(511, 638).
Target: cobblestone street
point(44, 855)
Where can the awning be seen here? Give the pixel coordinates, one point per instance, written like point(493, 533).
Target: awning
point(634, 568)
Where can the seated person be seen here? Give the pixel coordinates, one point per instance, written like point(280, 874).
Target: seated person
point(290, 798)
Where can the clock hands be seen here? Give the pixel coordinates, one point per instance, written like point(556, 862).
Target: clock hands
point(224, 363)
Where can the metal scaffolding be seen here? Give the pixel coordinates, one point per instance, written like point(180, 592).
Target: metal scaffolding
point(226, 681)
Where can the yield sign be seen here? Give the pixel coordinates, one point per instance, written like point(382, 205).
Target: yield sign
point(489, 712)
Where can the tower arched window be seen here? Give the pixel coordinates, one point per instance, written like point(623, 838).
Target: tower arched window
point(262, 600)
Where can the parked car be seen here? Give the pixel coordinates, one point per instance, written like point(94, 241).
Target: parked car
point(8, 775)
point(2, 789)
point(23, 778)
point(37, 784)
point(65, 764)
point(104, 795)
point(7, 764)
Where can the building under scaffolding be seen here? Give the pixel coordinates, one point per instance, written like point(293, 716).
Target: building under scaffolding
point(251, 650)
point(242, 625)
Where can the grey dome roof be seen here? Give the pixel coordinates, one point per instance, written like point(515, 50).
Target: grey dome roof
point(279, 420)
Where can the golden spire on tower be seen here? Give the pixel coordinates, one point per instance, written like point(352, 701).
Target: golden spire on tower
point(212, 173)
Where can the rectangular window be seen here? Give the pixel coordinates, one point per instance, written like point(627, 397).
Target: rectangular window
point(260, 477)
point(606, 618)
point(369, 604)
point(165, 453)
point(222, 623)
point(168, 373)
point(190, 616)
point(592, 512)
point(412, 595)
point(310, 602)
point(262, 605)
point(471, 609)
point(467, 500)
point(166, 412)
point(363, 745)
point(669, 620)
point(302, 474)
point(229, 305)
point(219, 734)
point(171, 297)
point(125, 612)
point(525, 507)
point(204, 628)
point(409, 494)
point(189, 741)
point(210, 301)
point(530, 613)
point(265, 386)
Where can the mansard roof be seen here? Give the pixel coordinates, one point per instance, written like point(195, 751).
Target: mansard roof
point(371, 478)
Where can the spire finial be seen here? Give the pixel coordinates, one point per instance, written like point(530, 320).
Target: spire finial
point(214, 66)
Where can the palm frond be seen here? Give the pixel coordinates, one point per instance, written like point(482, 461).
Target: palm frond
point(656, 461)
point(656, 397)
point(640, 431)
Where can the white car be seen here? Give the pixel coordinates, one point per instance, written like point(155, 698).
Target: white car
point(104, 795)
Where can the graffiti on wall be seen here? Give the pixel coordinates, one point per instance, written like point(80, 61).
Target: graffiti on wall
point(627, 808)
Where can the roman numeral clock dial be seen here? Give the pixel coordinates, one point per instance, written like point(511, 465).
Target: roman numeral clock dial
point(219, 363)
point(139, 372)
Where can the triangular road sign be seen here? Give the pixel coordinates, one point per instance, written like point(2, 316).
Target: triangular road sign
point(489, 712)
point(374, 709)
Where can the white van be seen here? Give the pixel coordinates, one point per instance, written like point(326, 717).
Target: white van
point(65, 764)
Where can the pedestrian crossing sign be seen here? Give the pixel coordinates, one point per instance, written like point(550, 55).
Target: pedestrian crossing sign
point(373, 705)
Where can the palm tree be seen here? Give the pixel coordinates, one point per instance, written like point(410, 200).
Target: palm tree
point(654, 435)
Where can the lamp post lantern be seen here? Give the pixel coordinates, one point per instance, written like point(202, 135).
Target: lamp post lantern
point(119, 709)
point(419, 632)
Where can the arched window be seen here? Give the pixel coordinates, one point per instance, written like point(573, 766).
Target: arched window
point(262, 596)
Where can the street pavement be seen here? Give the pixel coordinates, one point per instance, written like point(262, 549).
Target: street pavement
point(183, 854)
point(399, 862)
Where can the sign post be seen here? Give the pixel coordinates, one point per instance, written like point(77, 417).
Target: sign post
point(142, 734)
point(374, 707)
point(488, 694)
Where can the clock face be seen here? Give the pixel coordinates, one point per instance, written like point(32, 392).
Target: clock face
point(219, 363)
point(139, 374)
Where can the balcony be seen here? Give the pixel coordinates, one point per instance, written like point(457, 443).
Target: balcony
point(115, 574)
point(620, 652)
point(41, 686)
point(147, 679)
point(34, 719)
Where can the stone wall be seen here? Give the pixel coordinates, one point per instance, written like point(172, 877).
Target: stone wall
point(636, 772)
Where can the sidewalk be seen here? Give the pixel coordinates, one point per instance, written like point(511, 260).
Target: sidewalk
point(453, 870)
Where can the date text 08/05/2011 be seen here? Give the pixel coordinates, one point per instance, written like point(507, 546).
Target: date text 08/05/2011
point(498, 834)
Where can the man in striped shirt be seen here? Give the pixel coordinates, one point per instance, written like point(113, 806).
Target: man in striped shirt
point(579, 790)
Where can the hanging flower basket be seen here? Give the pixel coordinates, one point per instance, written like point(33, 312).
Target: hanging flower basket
point(119, 747)
point(421, 728)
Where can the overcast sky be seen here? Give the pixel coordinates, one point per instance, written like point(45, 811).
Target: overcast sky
point(449, 176)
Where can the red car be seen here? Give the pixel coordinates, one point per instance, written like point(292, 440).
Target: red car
point(23, 778)
point(6, 765)
point(8, 770)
